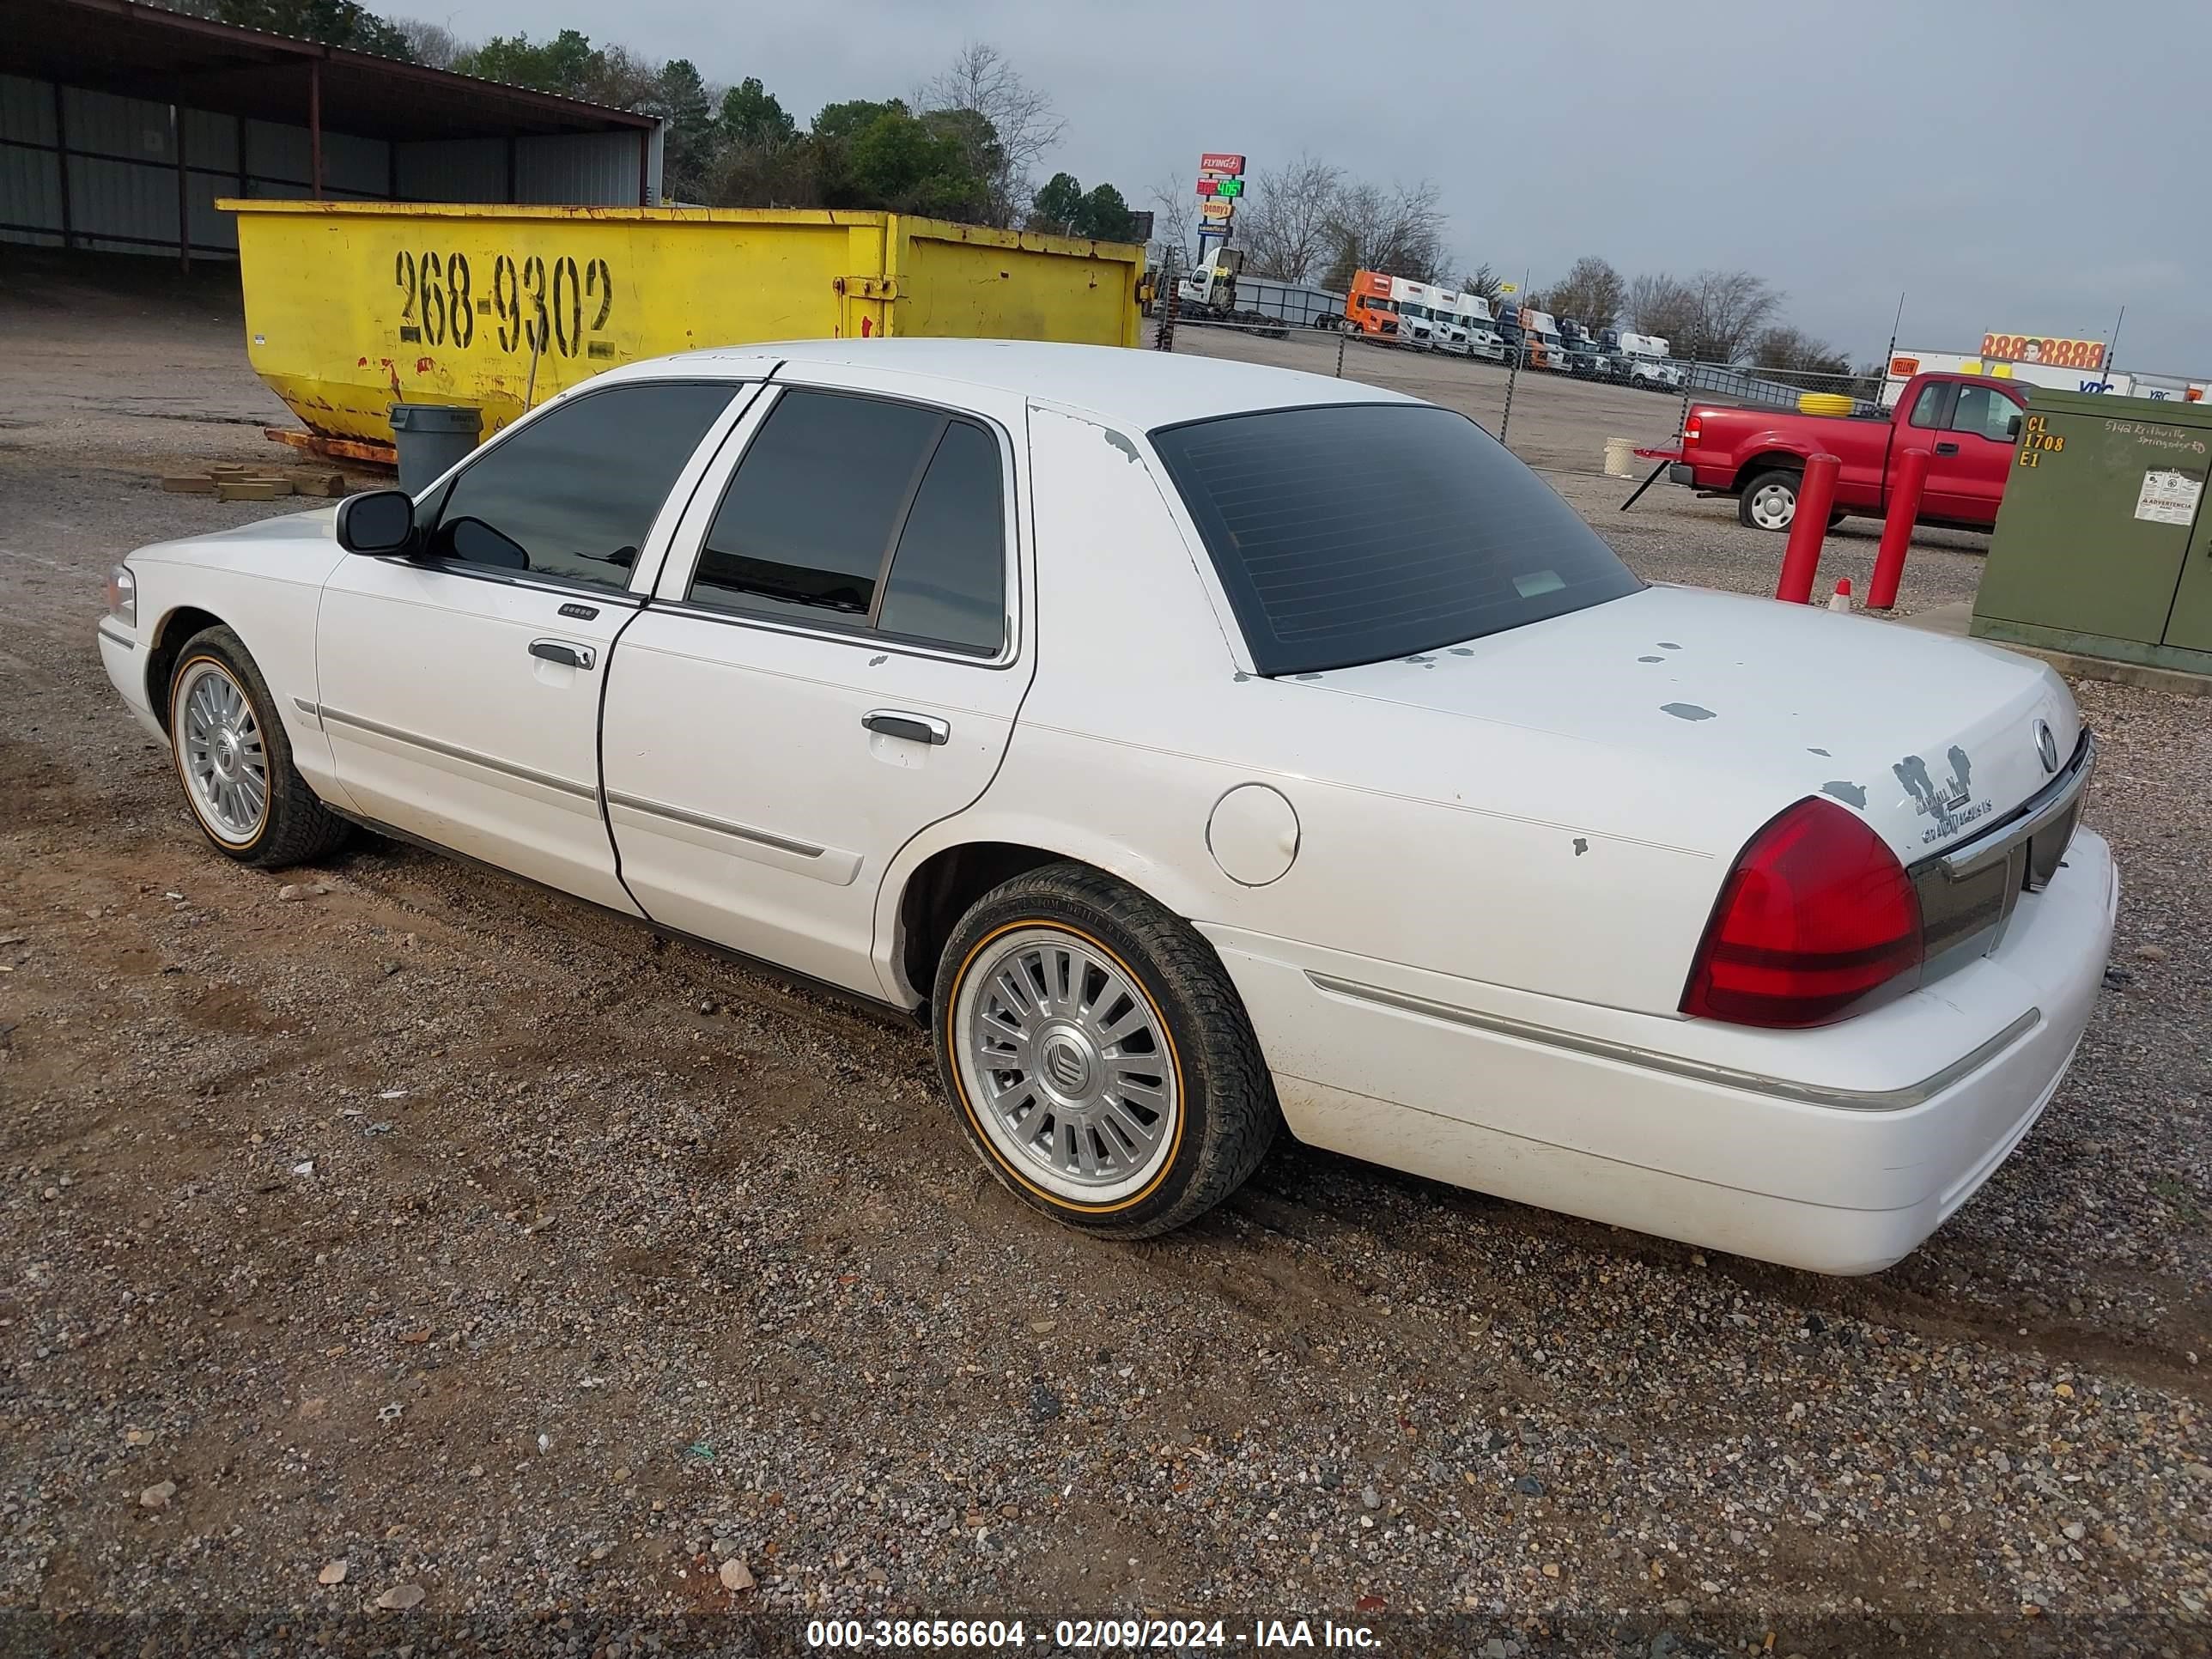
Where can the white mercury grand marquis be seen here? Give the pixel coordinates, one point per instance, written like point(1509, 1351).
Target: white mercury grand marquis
point(1199, 748)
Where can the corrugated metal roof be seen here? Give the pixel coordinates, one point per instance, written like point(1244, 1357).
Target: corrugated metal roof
point(135, 50)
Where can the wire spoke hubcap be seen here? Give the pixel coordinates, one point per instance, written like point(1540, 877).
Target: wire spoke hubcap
point(1068, 1065)
point(221, 753)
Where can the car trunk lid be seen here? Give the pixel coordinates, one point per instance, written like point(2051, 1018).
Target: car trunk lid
point(1933, 741)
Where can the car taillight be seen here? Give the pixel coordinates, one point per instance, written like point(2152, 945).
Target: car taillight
point(1818, 920)
point(1693, 429)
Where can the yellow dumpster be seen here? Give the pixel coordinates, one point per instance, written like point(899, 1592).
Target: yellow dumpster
point(352, 307)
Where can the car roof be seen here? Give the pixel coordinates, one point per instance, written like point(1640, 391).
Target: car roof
point(1122, 385)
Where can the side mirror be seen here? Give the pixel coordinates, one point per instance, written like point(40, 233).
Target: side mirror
point(376, 522)
point(2012, 429)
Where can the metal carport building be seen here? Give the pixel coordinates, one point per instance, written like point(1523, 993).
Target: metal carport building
point(122, 124)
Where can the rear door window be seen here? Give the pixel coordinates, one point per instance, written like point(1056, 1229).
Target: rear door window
point(806, 525)
point(868, 513)
point(948, 577)
point(1351, 534)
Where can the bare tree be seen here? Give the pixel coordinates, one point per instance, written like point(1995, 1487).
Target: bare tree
point(1663, 304)
point(1286, 224)
point(428, 43)
point(1732, 307)
point(1400, 230)
point(1173, 213)
point(1784, 347)
point(1023, 125)
point(1591, 293)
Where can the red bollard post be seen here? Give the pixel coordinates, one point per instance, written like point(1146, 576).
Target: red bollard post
point(1897, 529)
point(1800, 559)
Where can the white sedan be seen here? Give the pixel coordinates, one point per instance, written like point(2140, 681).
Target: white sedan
point(1199, 748)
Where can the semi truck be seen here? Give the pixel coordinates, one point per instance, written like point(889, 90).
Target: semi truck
point(1369, 307)
point(1905, 365)
point(1536, 334)
point(1469, 329)
point(1642, 359)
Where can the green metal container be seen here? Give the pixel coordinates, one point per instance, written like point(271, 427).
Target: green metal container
point(2104, 545)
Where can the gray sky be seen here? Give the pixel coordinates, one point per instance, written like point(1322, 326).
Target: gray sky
point(2017, 165)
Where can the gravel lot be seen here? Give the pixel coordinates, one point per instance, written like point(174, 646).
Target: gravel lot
point(430, 1239)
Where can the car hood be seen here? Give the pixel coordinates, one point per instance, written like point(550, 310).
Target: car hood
point(297, 547)
point(316, 525)
point(1695, 707)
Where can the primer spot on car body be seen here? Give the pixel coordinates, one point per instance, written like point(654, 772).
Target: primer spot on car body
point(1852, 793)
point(1651, 659)
point(1582, 844)
point(1685, 711)
point(1121, 444)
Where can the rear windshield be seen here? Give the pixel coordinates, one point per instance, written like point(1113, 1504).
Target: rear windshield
point(1353, 534)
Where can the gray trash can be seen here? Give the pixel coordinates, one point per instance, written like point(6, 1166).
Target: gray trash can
point(430, 438)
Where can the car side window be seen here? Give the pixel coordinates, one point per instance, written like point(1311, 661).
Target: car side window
point(1927, 411)
point(1986, 411)
point(948, 575)
point(864, 512)
point(573, 493)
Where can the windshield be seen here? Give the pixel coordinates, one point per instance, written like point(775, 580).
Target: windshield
point(1353, 533)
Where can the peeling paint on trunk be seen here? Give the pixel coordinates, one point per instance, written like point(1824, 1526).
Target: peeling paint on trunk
point(1852, 793)
point(1685, 711)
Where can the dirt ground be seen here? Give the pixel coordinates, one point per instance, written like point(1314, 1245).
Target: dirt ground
point(432, 1239)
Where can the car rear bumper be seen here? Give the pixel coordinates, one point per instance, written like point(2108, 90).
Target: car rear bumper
point(1682, 472)
point(1837, 1151)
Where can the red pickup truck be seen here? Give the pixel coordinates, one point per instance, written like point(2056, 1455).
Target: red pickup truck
point(1970, 425)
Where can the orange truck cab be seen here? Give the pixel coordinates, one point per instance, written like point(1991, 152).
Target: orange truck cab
point(1368, 307)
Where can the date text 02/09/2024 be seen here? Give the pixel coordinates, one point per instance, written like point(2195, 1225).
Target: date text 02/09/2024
point(1084, 1635)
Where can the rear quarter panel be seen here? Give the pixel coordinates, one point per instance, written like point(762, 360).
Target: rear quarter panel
point(1143, 716)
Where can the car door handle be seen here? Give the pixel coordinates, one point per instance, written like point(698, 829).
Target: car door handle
point(1946, 449)
point(915, 728)
point(560, 651)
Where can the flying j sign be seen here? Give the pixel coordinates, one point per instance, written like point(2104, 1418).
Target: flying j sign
point(1220, 182)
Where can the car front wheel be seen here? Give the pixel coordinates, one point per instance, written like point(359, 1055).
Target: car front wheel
point(236, 762)
point(1768, 502)
point(1097, 1055)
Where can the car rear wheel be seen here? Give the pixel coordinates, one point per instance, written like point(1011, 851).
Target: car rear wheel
point(1768, 502)
point(234, 760)
point(1097, 1055)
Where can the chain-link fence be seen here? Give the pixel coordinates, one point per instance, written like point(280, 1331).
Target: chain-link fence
point(1555, 402)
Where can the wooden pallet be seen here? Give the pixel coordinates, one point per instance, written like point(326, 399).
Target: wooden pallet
point(229, 481)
